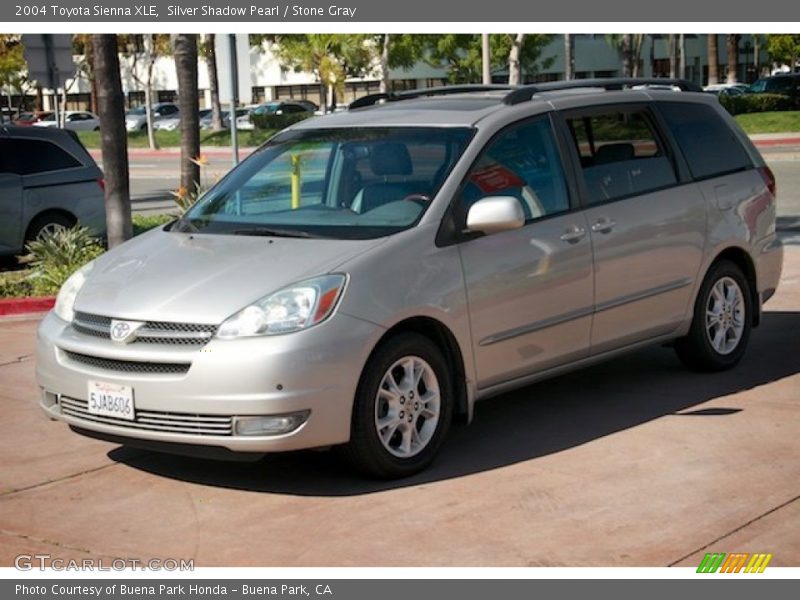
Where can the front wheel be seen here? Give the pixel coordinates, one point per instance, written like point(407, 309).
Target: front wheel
point(722, 321)
point(402, 410)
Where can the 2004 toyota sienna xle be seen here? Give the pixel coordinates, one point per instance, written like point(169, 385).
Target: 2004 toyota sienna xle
point(363, 278)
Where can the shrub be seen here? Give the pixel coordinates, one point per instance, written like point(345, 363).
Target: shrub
point(15, 284)
point(57, 255)
point(278, 121)
point(753, 103)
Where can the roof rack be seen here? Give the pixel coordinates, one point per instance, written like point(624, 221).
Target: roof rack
point(434, 91)
point(525, 93)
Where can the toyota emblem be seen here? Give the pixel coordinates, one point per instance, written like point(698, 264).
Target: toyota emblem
point(124, 331)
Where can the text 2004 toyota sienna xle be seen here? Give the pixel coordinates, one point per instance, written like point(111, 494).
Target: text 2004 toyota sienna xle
point(365, 277)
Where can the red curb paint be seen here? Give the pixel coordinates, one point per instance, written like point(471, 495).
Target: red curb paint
point(794, 141)
point(19, 306)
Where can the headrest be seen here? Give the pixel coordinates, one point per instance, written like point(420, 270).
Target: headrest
point(390, 158)
point(609, 153)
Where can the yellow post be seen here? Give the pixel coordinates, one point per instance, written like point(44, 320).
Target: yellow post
point(295, 181)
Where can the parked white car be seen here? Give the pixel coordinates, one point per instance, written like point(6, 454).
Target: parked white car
point(77, 120)
point(136, 119)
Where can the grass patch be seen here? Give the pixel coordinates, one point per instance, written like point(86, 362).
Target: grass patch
point(172, 139)
point(142, 223)
point(770, 122)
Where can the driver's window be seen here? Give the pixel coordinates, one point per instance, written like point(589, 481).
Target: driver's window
point(522, 162)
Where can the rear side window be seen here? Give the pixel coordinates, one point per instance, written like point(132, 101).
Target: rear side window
point(710, 146)
point(620, 155)
point(25, 157)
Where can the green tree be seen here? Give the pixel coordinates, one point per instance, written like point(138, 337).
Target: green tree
point(13, 68)
point(460, 54)
point(147, 48)
point(330, 57)
point(784, 48)
point(397, 51)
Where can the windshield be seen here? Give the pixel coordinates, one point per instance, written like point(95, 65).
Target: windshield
point(336, 183)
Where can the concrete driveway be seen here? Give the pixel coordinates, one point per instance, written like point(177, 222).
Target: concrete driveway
point(636, 462)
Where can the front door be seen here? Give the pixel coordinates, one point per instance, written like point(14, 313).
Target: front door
point(529, 290)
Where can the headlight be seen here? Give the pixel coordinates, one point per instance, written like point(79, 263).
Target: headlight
point(298, 306)
point(69, 291)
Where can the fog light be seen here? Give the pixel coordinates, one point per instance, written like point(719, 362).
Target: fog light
point(270, 425)
point(49, 399)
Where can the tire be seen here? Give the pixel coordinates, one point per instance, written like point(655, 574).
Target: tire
point(717, 343)
point(47, 222)
point(417, 417)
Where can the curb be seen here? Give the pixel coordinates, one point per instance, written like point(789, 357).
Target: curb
point(20, 306)
point(769, 143)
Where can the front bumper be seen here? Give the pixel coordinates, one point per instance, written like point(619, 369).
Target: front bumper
point(315, 370)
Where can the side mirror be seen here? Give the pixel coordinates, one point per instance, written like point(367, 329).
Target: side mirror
point(495, 214)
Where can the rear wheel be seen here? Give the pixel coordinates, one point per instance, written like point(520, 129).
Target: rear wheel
point(47, 223)
point(403, 408)
point(722, 321)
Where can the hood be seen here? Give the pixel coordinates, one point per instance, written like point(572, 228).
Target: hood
point(164, 276)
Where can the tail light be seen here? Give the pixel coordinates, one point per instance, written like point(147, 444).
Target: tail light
point(102, 183)
point(769, 179)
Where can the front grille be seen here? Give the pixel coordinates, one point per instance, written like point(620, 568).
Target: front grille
point(128, 366)
point(154, 420)
point(152, 332)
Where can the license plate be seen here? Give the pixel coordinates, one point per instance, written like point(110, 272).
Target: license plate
point(111, 400)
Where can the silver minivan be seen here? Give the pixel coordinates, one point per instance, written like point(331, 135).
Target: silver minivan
point(364, 278)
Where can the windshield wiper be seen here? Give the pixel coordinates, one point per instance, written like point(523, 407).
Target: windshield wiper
point(269, 232)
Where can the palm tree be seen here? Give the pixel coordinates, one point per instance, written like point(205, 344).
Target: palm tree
point(569, 60)
point(732, 43)
point(713, 59)
point(210, 52)
point(185, 51)
point(672, 43)
point(113, 138)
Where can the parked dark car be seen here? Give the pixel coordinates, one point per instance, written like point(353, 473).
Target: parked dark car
point(47, 180)
point(787, 85)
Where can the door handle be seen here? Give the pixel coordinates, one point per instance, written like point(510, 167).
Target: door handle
point(604, 225)
point(574, 234)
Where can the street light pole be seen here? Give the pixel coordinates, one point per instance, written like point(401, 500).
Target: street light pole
point(486, 57)
point(234, 74)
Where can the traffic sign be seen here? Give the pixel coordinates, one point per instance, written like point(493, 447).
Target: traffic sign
point(49, 58)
